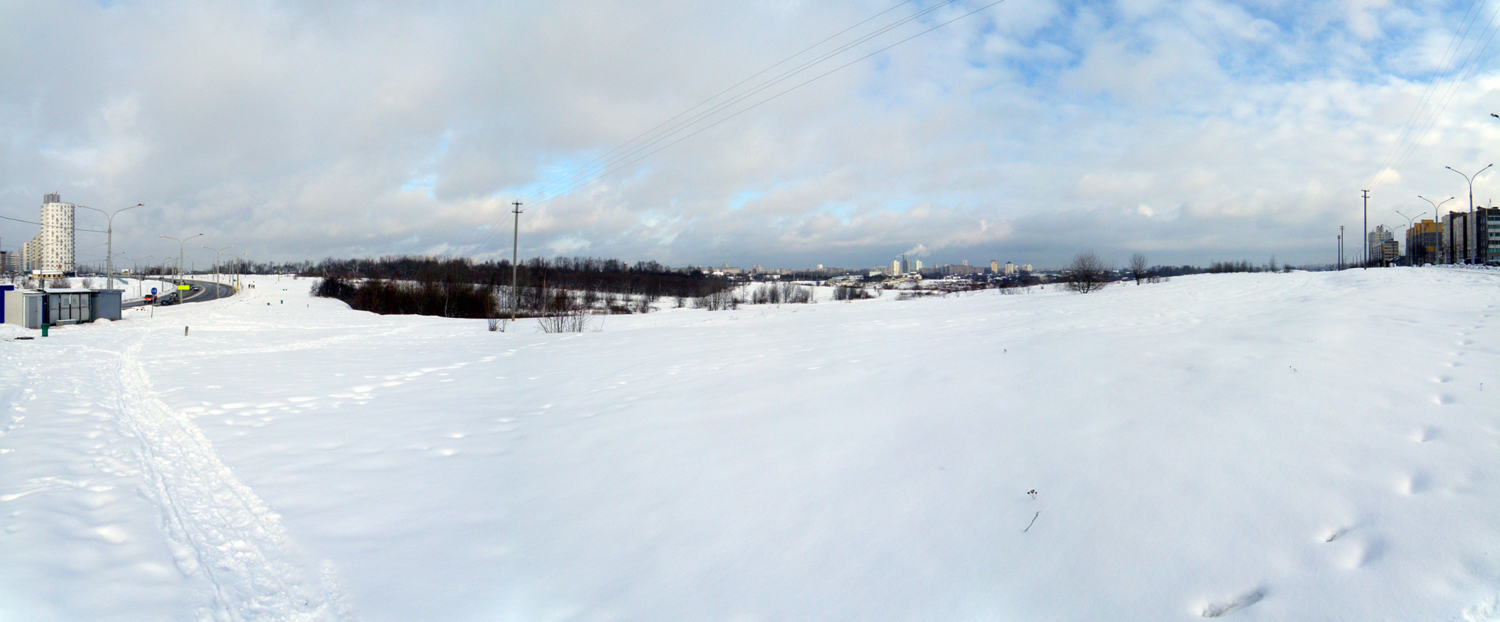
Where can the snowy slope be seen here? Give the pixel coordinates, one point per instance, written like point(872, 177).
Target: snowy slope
point(1255, 447)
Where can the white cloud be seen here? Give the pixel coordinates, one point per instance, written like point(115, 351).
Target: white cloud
point(303, 130)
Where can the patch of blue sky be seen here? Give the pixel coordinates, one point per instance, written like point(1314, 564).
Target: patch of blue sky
point(423, 180)
point(425, 184)
point(842, 211)
point(744, 196)
point(556, 178)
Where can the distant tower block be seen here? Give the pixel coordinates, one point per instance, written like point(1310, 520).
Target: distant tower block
point(994, 266)
point(52, 249)
point(895, 267)
point(1010, 268)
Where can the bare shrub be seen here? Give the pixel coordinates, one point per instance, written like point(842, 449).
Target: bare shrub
point(575, 321)
point(497, 324)
point(717, 301)
point(781, 293)
point(1086, 274)
point(851, 292)
point(1138, 268)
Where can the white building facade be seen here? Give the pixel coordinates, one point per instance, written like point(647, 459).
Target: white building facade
point(53, 248)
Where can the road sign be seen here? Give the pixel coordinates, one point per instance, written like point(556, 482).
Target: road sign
point(183, 288)
point(153, 291)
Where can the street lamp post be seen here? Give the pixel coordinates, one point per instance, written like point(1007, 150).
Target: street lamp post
point(109, 271)
point(1408, 235)
point(181, 244)
point(1469, 224)
point(238, 266)
point(1437, 223)
point(216, 266)
point(140, 282)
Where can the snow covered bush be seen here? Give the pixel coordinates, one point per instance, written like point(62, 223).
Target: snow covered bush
point(775, 294)
point(717, 301)
point(1086, 274)
point(851, 292)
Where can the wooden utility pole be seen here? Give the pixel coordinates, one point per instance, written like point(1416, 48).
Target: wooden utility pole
point(1367, 228)
point(1341, 247)
point(514, 244)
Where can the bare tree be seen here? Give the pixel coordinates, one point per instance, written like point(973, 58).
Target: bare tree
point(1086, 274)
point(1138, 268)
point(569, 321)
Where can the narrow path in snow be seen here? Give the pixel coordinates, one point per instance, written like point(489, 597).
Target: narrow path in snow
point(217, 528)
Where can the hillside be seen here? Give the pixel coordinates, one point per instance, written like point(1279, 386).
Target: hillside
point(1304, 446)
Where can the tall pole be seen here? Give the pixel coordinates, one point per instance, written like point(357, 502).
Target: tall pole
point(239, 265)
point(216, 267)
point(515, 242)
point(181, 244)
point(1437, 225)
point(1341, 247)
point(1367, 228)
point(109, 262)
point(1469, 222)
point(1408, 235)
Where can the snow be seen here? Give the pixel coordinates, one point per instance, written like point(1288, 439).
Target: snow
point(1246, 446)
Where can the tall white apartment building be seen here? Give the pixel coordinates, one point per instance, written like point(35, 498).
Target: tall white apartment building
point(1377, 241)
point(52, 249)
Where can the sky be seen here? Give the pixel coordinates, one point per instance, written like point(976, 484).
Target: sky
point(1189, 131)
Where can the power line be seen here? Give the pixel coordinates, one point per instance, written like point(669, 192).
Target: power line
point(1419, 125)
point(586, 173)
point(752, 77)
point(1454, 44)
point(56, 226)
point(607, 164)
point(1470, 62)
point(768, 99)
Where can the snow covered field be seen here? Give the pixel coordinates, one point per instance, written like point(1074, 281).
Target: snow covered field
point(1306, 446)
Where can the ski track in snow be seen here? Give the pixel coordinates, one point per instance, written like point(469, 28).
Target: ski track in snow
point(216, 527)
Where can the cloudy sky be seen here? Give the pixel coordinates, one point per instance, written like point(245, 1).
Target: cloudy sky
point(1188, 130)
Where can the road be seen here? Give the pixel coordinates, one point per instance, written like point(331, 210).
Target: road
point(203, 291)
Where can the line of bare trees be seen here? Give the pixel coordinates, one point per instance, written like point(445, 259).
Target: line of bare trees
point(460, 287)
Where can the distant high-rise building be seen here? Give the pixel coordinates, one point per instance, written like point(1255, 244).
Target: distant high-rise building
point(1390, 250)
point(1472, 237)
point(1377, 241)
point(966, 262)
point(895, 267)
point(1487, 234)
point(916, 265)
point(1010, 268)
point(995, 266)
point(52, 248)
point(1422, 242)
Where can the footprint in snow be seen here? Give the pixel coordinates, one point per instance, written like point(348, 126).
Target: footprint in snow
point(1215, 610)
